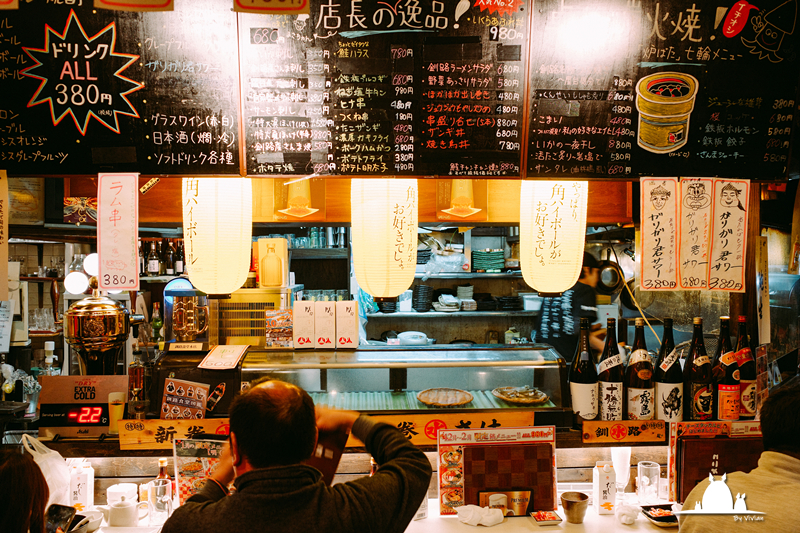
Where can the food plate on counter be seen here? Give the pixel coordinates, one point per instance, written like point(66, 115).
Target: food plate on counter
point(522, 395)
point(545, 518)
point(444, 397)
point(660, 515)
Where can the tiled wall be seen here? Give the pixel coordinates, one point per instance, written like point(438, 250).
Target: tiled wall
point(31, 254)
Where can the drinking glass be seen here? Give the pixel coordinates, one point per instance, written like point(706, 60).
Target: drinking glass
point(159, 501)
point(342, 295)
point(116, 410)
point(621, 459)
point(648, 477)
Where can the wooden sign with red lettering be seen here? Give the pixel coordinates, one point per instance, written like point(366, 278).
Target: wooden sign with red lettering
point(159, 434)
point(623, 431)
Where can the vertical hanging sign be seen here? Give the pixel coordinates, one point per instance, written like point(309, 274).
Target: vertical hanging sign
point(118, 231)
point(762, 290)
point(729, 235)
point(695, 232)
point(3, 235)
point(659, 208)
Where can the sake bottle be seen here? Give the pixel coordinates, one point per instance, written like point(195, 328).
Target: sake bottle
point(583, 379)
point(610, 373)
point(639, 384)
point(669, 379)
point(697, 384)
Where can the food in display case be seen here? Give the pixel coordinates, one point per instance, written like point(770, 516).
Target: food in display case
point(443, 397)
point(522, 395)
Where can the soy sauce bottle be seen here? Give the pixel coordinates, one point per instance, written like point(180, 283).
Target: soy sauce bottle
point(725, 372)
point(747, 372)
point(583, 379)
point(639, 384)
point(697, 384)
point(610, 375)
point(669, 379)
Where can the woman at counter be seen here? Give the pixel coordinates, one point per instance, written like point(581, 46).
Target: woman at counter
point(23, 493)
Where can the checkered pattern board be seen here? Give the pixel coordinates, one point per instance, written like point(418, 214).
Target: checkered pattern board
point(697, 457)
point(191, 480)
point(517, 467)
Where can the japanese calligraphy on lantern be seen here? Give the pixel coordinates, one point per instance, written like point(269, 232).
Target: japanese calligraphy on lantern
point(659, 203)
point(117, 231)
point(695, 229)
point(404, 229)
point(729, 235)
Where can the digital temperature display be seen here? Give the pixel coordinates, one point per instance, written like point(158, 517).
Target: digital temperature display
point(72, 415)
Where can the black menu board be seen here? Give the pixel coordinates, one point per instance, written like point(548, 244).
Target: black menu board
point(87, 91)
point(415, 87)
point(662, 88)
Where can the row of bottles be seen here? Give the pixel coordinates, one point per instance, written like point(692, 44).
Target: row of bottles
point(722, 388)
point(161, 257)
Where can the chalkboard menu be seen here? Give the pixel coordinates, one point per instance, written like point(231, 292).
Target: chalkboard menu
point(415, 87)
point(669, 88)
point(87, 90)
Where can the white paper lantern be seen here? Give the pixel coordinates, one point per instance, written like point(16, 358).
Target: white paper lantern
point(552, 231)
point(217, 229)
point(384, 228)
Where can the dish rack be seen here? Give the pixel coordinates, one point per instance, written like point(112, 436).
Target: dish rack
point(240, 319)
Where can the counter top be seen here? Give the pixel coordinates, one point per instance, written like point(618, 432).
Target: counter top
point(592, 523)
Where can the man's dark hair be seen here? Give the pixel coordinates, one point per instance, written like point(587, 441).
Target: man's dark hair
point(274, 426)
point(780, 420)
point(588, 261)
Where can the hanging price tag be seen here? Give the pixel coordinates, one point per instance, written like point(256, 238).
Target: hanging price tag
point(118, 231)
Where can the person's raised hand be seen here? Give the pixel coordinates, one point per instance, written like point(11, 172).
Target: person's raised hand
point(335, 419)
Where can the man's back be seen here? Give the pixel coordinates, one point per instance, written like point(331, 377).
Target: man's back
point(772, 488)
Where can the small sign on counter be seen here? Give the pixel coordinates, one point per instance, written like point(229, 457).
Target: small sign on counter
point(160, 434)
point(623, 431)
point(223, 357)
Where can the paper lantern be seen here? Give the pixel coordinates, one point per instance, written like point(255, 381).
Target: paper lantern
point(217, 229)
point(384, 231)
point(552, 231)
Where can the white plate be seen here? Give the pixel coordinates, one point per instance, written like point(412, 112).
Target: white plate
point(140, 529)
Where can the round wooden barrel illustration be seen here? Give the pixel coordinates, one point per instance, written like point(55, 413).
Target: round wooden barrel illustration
point(665, 101)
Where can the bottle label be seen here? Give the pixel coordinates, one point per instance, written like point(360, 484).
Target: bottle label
point(747, 398)
point(669, 360)
point(170, 271)
point(611, 362)
point(610, 400)
point(152, 265)
point(728, 358)
point(645, 374)
point(584, 399)
point(743, 356)
point(701, 398)
point(728, 402)
point(669, 402)
point(702, 360)
point(179, 266)
point(640, 403)
point(637, 356)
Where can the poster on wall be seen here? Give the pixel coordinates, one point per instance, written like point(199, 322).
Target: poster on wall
point(695, 228)
point(729, 235)
point(26, 196)
point(659, 201)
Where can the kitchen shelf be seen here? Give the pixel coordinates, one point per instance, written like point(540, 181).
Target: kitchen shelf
point(439, 314)
point(319, 253)
point(471, 275)
point(157, 279)
point(38, 279)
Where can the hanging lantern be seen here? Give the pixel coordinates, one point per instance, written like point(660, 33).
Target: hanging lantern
point(217, 229)
point(552, 231)
point(384, 228)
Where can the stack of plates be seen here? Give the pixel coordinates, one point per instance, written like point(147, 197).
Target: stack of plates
point(387, 307)
point(469, 305)
point(421, 298)
point(447, 304)
point(423, 256)
point(510, 303)
point(485, 302)
point(464, 292)
point(488, 260)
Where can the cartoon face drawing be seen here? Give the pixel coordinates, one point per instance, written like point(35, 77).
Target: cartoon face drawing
point(703, 404)
point(658, 197)
point(729, 197)
point(696, 196)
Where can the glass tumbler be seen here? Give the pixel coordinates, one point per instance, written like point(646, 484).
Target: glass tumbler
point(159, 501)
point(648, 477)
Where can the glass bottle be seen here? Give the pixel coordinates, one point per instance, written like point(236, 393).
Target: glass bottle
point(179, 258)
point(152, 260)
point(156, 323)
point(142, 261)
point(622, 338)
point(610, 375)
point(669, 379)
point(639, 385)
point(162, 257)
point(725, 373)
point(747, 372)
point(697, 384)
point(169, 260)
point(136, 404)
point(583, 379)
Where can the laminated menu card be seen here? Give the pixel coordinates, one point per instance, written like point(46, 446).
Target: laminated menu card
point(184, 399)
point(195, 460)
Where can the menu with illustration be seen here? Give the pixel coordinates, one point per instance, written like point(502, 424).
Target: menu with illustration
point(195, 460)
point(184, 399)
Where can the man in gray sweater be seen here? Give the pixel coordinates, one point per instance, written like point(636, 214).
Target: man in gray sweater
point(773, 488)
point(274, 427)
